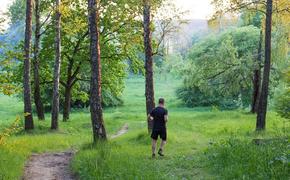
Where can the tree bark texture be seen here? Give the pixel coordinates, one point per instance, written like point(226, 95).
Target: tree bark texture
point(149, 83)
point(257, 78)
point(28, 124)
point(99, 131)
point(263, 101)
point(37, 96)
point(55, 99)
point(67, 93)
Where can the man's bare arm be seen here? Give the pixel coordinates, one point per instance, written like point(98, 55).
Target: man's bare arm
point(150, 118)
point(166, 118)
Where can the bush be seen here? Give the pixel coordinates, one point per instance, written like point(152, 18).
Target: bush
point(194, 97)
point(13, 128)
point(282, 104)
point(282, 100)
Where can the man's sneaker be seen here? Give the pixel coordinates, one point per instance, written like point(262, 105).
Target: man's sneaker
point(160, 152)
point(153, 156)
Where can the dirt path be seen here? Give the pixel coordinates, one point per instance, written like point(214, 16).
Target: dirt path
point(49, 166)
point(122, 131)
point(55, 166)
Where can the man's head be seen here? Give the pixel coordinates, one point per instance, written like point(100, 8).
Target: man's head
point(161, 101)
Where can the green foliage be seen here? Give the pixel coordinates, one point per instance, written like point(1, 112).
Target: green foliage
point(14, 127)
point(282, 104)
point(169, 65)
point(194, 97)
point(220, 67)
point(17, 11)
point(251, 18)
point(239, 159)
point(282, 99)
point(120, 41)
point(9, 73)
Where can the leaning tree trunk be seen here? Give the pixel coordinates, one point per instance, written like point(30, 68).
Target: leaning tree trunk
point(37, 97)
point(55, 98)
point(149, 85)
point(263, 101)
point(257, 78)
point(26, 76)
point(99, 131)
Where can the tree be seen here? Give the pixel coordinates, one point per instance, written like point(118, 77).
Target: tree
point(37, 96)
point(149, 84)
point(220, 68)
point(257, 77)
point(16, 11)
point(99, 131)
point(26, 76)
point(255, 18)
point(55, 100)
point(280, 7)
point(263, 100)
point(115, 42)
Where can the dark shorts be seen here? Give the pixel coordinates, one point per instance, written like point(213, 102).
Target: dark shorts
point(159, 132)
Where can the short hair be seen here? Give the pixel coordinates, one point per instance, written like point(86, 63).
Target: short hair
point(161, 101)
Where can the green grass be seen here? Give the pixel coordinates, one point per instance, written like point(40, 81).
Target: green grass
point(195, 150)
point(237, 159)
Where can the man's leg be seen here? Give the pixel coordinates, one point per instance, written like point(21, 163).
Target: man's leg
point(154, 143)
point(160, 151)
point(163, 142)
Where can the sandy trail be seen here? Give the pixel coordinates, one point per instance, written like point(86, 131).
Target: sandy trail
point(49, 166)
point(122, 131)
point(55, 166)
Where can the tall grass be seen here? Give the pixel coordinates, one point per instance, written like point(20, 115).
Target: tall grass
point(241, 159)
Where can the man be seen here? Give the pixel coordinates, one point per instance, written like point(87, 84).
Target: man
point(159, 116)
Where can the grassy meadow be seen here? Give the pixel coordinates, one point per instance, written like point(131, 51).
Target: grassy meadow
point(203, 143)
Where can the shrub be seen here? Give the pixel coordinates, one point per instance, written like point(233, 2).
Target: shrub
point(282, 101)
point(10, 130)
point(282, 104)
point(194, 97)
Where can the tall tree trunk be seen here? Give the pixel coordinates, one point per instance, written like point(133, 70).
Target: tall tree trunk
point(99, 131)
point(67, 93)
point(263, 101)
point(67, 103)
point(26, 76)
point(70, 82)
point(55, 100)
point(37, 97)
point(257, 77)
point(149, 84)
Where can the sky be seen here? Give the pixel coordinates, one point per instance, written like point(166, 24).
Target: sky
point(197, 9)
point(4, 5)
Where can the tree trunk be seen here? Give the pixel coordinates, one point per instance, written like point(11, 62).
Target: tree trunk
point(99, 131)
point(37, 97)
point(257, 78)
point(26, 76)
point(149, 84)
point(55, 100)
point(67, 93)
point(67, 103)
point(263, 101)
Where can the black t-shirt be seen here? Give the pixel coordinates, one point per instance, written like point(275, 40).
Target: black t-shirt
point(158, 114)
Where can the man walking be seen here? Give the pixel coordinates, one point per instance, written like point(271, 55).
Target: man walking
point(159, 116)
